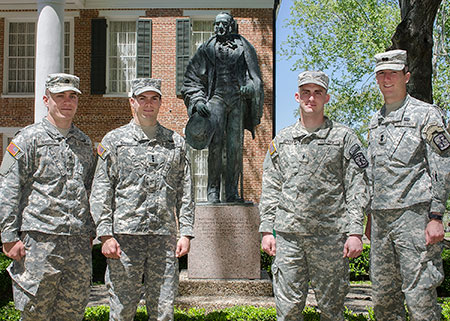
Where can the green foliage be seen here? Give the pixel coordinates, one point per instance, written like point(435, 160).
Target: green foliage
point(444, 289)
point(360, 266)
point(5, 280)
point(266, 262)
point(8, 313)
point(341, 37)
point(98, 313)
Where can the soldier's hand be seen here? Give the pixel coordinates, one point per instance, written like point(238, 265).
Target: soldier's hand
point(268, 244)
point(14, 250)
point(203, 110)
point(353, 246)
point(183, 246)
point(434, 232)
point(247, 91)
point(111, 248)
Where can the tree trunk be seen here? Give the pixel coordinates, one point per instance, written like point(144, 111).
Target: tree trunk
point(415, 35)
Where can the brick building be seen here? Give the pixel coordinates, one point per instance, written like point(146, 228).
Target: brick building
point(108, 42)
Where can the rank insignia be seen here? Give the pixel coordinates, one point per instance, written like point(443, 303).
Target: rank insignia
point(358, 156)
point(437, 137)
point(272, 148)
point(13, 149)
point(101, 150)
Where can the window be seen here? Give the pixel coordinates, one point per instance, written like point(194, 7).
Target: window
point(121, 51)
point(20, 56)
point(121, 55)
point(202, 30)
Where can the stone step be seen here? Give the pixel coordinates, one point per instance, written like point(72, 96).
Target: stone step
point(224, 287)
point(210, 303)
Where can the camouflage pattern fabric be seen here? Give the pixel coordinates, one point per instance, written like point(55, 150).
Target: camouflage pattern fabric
point(406, 166)
point(314, 183)
point(44, 185)
point(314, 191)
point(318, 259)
point(408, 170)
point(154, 257)
point(403, 267)
point(52, 281)
point(142, 186)
point(142, 190)
point(45, 179)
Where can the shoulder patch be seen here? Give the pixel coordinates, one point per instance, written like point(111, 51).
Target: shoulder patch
point(358, 156)
point(272, 148)
point(13, 149)
point(101, 150)
point(437, 137)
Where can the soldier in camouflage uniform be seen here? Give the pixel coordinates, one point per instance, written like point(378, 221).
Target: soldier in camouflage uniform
point(314, 191)
point(408, 144)
point(141, 191)
point(45, 222)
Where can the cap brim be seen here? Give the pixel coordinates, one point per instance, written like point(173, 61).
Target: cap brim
point(144, 89)
point(390, 67)
point(62, 89)
point(315, 82)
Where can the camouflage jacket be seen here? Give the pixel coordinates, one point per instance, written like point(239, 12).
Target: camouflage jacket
point(142, 186)
point(407, 157)
point(45, 181)
point(314, 183)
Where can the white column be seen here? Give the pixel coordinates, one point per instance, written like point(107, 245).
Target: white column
point(49, 48)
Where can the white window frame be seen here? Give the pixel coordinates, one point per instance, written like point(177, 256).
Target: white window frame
point(28, 19)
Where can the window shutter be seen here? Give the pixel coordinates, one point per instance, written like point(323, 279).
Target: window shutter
point(183, 50)
point(144, 48)
point(98, 56)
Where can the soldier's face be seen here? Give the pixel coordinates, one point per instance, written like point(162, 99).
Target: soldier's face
point(222, 25)
point(312, 98)
point(146, 108)
point(61, 106)
point(392, 84)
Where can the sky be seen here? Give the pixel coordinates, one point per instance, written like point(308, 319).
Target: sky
point(286, 80)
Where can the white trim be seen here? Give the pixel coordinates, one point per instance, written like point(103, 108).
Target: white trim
point(169, 4)
point(32, 14)
point(121, 14)
point(32, 18)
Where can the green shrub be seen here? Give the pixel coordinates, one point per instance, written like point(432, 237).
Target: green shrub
point(5, 280)
point(444, 289)
point(360, 266)
point(266, 262)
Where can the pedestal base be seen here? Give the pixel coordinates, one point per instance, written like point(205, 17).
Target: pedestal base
point(226, 243)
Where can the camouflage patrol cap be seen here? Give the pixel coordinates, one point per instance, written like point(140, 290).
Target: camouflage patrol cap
point(140, 85)
point(313, 77)
point(59, 82)
point(392, 60)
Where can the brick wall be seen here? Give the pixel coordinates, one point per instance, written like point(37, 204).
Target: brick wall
point(98, 114)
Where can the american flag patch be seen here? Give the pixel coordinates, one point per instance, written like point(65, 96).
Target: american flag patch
point(101, 150)
point(13, 149)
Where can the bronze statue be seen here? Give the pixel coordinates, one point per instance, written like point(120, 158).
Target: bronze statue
point(223, 92)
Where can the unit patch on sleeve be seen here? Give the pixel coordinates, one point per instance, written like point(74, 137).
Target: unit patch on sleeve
point(13, 149)
point(272, 148)
point(437, 137)
point(101, 150)
point(358, 156)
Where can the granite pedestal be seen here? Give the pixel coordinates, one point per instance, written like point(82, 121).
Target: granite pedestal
point(226, 243)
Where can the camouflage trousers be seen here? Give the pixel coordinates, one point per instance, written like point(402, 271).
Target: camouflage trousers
point(315, 259)
point(402, 267)
point(148, 262)
point(52, 281)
